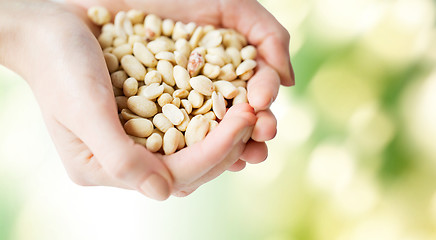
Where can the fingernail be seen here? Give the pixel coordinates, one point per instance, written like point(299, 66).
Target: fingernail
point(156, 187)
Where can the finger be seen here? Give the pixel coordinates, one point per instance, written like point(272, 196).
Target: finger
point(263, 30)
point(87, 108)
point(80, 163)
point(266, 126)
point(255, 152)
point(216, 171)
point(237, 166)
point(263, 87)
point(193, 162)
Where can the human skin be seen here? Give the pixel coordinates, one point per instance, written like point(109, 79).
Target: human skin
point(53, 47)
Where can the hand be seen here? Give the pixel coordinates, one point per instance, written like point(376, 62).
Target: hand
point(261, 30)
point(69, 78)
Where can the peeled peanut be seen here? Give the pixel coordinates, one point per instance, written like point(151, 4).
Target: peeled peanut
point(182, 46)
point(139, 127)
point(99, 15)
point(226, 89)
point(122, 50)
point(202, 84)
point(119, 24)
point(160, 45)
point(133, 67)
point(249, 52)
point(196, 37)
point(119, 41)
point(127, 114)
point(153, 26)
point(144, 55)
point(212, 39)
point(211, 71)
point(171, 141)
point(196, 130)
point(180, 93)
point(173, 113)
point(135, 16)
point(168, 89)
point(204, 109)
point(164, 99)
point(154, 142)
point(196, 99)
point(227, 73)
point(142, 106)
point(187, 106)
point(212, 125)
point(239, 83)
point(181, 59)
point(179, 31)
point(214, 59)
point(246, 76)
point(210, 115)
point(169, 56)
point(245, 66)
point(181, 77)
point(219, 105)
point(176, 102)
point(184, 124)
point(166, 70)
point(112, 62)
point(139, 30)
point(130, 87)
point(162, 123)
point(118, 78)
point(105, 39)
point(182, 142)
point(234, 55)
point(151, 91)
point(153, 76)
point(167, 27)
point(128, 27)
point(241, 97)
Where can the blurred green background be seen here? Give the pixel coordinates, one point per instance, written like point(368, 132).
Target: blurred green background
point(354, 158)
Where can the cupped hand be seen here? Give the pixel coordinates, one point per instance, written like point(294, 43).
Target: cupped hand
point(261, 29)
point(64, 65)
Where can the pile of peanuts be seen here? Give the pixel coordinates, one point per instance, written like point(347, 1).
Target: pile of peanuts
point(172, 81)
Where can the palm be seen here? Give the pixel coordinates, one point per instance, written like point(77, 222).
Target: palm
point(95, 149)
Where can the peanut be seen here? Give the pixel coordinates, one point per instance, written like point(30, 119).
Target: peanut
point(202, 84)
point(130, 87)
point(166, 70)
point(118, 78)
point(154, 142)
point(142, 106)
point(139, 127)
point(226, 89)
point(111, 62)
point(219, 105)
point(173, 113)
point(144, 55)
point(196, 130)
point(164, 73)
point(133, 67)
point(99, 15)
point(161, 122)
point(171, 141)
